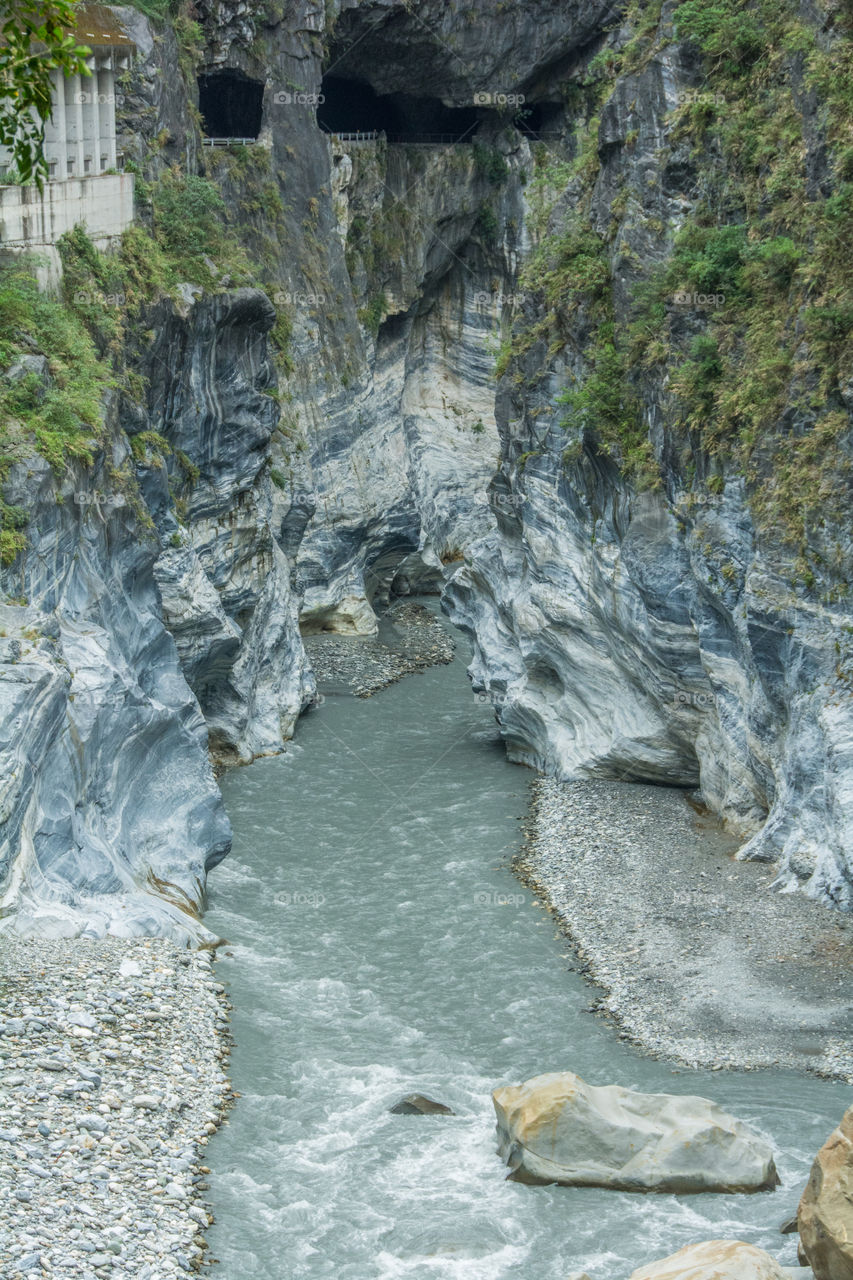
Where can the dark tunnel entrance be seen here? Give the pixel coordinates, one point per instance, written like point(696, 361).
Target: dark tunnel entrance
point(539, 120)
point(352, 106)
point(230, 104)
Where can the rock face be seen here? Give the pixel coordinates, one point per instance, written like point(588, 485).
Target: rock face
point(112, 815)
point(225, 581)
point(557, 1128)
point(659, 631)
point(648, 633)
point(825, 1215)
point(715, 1260)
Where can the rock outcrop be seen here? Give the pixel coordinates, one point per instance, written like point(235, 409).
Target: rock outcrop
point(645, 609)
point(111, 812)
point(630, 619)
point(224, 578)
point(825, 1215)
point(715, 1260)
point(417, 1104)
point(557, 1128)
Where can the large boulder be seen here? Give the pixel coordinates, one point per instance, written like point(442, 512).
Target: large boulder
point(557, 1128)
point(825, 1215)
point(715, 1260)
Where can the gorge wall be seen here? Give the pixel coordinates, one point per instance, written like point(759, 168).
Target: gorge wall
point(641, 523)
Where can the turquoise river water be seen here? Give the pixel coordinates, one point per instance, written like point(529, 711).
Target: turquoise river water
point(380, 945)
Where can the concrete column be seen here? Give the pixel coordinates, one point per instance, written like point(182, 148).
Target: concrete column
point(93, 127)
point(61, 126)
point(106, 85)
point(74, 123)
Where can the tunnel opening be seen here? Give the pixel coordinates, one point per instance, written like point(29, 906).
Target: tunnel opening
point(231, 104)
point(539, 120)
point(353, 106)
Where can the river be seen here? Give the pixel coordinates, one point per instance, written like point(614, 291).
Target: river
point(380, 945)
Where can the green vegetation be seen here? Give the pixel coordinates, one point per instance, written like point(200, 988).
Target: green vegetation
point(490, 164)
point(34, 42)
point(749, 321)
point(61, 417)
point(148, 443)
point(374, 313)
point(486, 224)
point(191, 230)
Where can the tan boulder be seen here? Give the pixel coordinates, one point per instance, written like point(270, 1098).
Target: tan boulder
point(715, 1260)
point(825, 1215)
point(557, 1128)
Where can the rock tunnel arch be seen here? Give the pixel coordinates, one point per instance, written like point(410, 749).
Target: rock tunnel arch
point(230, 103)
point(350, 105)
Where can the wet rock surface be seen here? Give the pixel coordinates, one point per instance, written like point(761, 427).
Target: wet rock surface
point(112, 1079)
point(417, 1104)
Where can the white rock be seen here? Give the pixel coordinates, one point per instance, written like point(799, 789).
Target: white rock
point(557, 1128)
point(715, 1260)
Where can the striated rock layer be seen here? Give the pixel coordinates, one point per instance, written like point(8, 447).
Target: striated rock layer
point(623, 630)
point(652, 624)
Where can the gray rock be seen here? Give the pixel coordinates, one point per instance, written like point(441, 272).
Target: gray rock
point(147, 1102)
point(93, 1123)
point(557, 1128)
point(417, 1104)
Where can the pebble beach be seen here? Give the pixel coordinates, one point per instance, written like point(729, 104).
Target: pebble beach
point(113, 1059)
point(698, 957)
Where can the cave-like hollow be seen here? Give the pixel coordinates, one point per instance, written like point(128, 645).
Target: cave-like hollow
point(539, 119)
point(352, 106)
point(231, 104)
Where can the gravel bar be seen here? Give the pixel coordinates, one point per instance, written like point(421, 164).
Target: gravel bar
point(410, 639)
point(699, 959)
point(112, 1079)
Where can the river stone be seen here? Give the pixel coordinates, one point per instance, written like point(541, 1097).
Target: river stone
point(715, 1260)
point(418, 1104)
point(557, 1128)
point(825, 1215)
